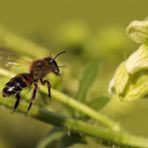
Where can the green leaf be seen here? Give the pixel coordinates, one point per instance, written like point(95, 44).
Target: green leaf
point(51, 140)
point(87, 78)
point(96, 104)
point(99, 102)
point(58, 139)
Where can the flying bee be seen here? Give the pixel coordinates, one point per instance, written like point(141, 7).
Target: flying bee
point(38, 70)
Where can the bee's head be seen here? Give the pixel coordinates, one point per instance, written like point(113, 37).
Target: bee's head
point(53, 64)
point(54, 67)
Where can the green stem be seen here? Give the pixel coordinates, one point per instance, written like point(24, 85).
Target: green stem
point(76, 105)
point(84, 109)
point(119, 138)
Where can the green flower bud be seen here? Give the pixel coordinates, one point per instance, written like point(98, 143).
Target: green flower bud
point(137, 88)
point(119, 81)
point(138, 60)
point(130, 81)
point(138, 31)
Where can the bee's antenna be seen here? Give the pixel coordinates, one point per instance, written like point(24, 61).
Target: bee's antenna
point(59, 54)
point(50, 52)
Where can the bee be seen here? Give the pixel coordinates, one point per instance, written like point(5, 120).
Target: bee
point(38, 70)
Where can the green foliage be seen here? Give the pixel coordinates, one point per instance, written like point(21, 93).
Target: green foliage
point(101, 128)
point(70, 139)
point(87, 78)
point(99, 102)
point(51, 139)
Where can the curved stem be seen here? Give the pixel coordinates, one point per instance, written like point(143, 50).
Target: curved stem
point(119, 138)
point(104, 120)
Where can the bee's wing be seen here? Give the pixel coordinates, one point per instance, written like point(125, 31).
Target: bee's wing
point(6, 57)
point(21, 65)
point(9, 60)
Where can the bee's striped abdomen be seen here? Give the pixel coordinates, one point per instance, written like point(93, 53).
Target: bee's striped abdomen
point(16, 84)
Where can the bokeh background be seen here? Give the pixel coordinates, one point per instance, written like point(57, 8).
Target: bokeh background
point(88, 30)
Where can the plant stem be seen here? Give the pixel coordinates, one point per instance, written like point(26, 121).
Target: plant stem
point(69, 101)
point(119, 138)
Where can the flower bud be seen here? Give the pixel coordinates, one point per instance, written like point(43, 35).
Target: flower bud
point(137, 88)
point(138, 60)
point(138, 31)
point(119, 81)
point(130, 81)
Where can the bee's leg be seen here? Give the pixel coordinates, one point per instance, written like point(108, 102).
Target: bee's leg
point(18, 97)
point(48, 86)
point(33, 95)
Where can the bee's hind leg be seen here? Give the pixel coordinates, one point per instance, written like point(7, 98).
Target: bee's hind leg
point(18, 98)
point(33, 95)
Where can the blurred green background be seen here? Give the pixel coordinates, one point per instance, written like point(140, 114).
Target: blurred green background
point(87, 30)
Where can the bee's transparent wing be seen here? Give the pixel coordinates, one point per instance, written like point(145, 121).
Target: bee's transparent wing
point(6, 57)
point(10, 60)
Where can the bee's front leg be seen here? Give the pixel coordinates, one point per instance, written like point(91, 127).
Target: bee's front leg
point(18, 97)
point(48, 86)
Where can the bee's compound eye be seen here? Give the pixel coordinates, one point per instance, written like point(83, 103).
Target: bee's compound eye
point(51, 61)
